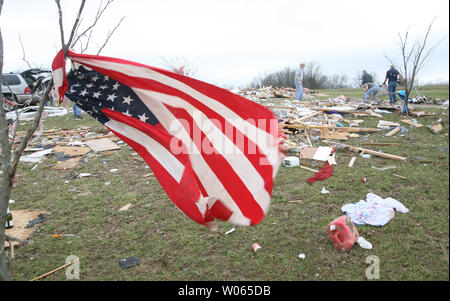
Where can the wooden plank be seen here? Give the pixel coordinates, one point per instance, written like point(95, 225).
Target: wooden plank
point(352, 161)
point(306, 168)
point(307, 137)
point(343, 129)
point(399, 176)
point(393, 132)
point(369, 151)
point(416, 124)
point(307, 116)
point(380, 143)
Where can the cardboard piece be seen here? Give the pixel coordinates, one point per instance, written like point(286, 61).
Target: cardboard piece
point(20, 220)
point(329, 134)
point(104, 144)
point(68, 164)
point(72, 150)
point(437, 127)
point(321, 153)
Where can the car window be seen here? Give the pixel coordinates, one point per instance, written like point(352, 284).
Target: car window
point(11, 79)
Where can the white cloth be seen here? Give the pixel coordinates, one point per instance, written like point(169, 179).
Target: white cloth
point(374, 211)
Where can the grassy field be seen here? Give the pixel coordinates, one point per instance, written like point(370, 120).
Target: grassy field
point(413, 246)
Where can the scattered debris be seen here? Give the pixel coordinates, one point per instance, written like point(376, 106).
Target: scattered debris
point(230, 231)
point(437, 127)
point(256, 247)
point(36, 221)
point(21, 220)
point(363, 243)
point(383, 168)
point(324, 191)
point(128, 262)
point(301, 256)
point(352, 161)
point(343, 233)
point(126, 207)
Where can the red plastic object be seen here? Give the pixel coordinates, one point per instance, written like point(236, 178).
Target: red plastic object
point(343, 233)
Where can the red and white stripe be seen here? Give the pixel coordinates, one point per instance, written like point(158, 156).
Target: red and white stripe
point(232, 183)
point(59, 75)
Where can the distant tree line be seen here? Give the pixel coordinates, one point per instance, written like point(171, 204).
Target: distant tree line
point(314, 78)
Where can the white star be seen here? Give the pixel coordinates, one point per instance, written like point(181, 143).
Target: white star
point(115, 86)
point(95, 78)
point(76, 85)
point(142, 117)
point(104, 87)
point(97, 95)
point(81, 76)
point(89, 85)
point(127, 113)
point(72, 90)
point(106, 78)
point(127, 100)
point(111, 97)
point(84, 92)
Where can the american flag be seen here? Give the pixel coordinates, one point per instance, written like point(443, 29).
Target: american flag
point(215, 153)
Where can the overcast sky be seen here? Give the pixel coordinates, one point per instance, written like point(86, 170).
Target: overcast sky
point(231, 42)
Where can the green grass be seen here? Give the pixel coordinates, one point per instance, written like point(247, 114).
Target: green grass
point(413, 246)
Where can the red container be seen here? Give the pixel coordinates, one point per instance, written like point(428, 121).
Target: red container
point(343, 233)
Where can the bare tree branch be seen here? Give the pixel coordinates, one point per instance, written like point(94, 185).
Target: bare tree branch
point(109, 36)
point(90, 28)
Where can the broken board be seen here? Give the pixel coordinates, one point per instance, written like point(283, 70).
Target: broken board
point(104, 144)
point(393, 132)
point(416, 124)
point(20, 220)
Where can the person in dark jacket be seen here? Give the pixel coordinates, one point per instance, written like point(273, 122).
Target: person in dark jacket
point(392, 77)
point(366, 78)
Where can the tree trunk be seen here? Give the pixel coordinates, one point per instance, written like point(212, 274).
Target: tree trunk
point(5, 189)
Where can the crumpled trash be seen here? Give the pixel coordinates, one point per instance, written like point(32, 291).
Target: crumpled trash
point(363, 243)
point(128, 262)
point(35, 221)
point(324, 190)
point(374, 211)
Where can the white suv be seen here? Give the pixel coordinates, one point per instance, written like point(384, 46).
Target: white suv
point(14, 87)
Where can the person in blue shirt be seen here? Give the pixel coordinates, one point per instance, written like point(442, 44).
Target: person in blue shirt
point(392, 77)
point(299, 82)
